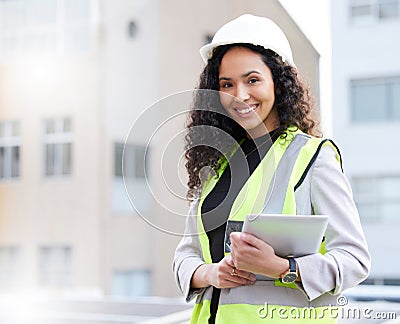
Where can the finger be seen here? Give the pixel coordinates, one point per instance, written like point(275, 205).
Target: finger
point(239, 280)
point(235, 237)
point(233, 259)
point(234, 272)
point(229, 260)
point(246, 275)
point(251, 240)
point(231, 284)
point(236, 245)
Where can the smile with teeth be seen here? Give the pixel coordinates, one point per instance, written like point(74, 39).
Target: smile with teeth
point(246, 110)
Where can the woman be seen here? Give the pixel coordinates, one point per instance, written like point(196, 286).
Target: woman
point(260, 150)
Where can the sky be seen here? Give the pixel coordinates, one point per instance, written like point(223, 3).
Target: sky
point(314, 19)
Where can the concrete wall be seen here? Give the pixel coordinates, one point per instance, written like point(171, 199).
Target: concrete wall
point(37, 210)
point(366, 51)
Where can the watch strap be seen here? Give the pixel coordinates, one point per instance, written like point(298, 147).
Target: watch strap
point(292, 264)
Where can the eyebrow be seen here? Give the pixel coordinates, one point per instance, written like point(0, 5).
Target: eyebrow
point(243, 75)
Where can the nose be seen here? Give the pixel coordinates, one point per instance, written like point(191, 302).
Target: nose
point(241, 93)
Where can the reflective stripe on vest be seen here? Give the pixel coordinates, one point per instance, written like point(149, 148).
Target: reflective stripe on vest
point(265, 305)
point(270, 189)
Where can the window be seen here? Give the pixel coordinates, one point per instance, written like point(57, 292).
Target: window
point(44, 25)
point(388, 9)
point(132, 29)
point(9, 265)
point(76, 25)
point(131, 283)
point(55, 265)
point(132, 160)
point(374, 10)
point(375, 99)
point(10, 143)
point(377, 198)
point(119, 149)
point(362, 10)
point(57, 147)
point(208, 39)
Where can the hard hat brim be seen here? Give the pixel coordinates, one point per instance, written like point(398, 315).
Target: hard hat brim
point(206, 51)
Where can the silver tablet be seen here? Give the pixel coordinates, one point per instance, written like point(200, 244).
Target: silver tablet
point(295, 235)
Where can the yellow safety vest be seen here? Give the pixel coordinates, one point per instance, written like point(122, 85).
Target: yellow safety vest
point(270, 189)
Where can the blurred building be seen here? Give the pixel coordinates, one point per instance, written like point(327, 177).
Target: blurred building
point(74, 77)
point(366, 119)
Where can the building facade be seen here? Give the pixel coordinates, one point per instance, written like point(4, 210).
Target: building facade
point(74, 77)
point(366, 117)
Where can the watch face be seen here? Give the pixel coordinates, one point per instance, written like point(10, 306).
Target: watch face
point(289, 277)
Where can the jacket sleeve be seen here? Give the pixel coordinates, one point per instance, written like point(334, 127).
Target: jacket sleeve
point(347, 261)
point(188, 256)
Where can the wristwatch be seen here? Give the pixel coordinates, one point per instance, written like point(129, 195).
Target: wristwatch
point(290, 275)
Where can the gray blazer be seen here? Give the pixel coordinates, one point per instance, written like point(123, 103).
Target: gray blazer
point(326, 191)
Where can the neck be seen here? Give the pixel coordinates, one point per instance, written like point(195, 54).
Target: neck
point(270, 123)
point(260, 131)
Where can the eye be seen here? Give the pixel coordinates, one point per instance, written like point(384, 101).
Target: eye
point(225, 85)
point(253, 80)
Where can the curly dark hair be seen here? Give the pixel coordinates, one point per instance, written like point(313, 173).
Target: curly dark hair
point(208, 146)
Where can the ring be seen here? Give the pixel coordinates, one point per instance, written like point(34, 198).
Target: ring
point(233, 272)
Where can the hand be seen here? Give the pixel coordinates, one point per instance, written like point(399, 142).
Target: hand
point(222, 275)
point(256, 256)
point(219, 275)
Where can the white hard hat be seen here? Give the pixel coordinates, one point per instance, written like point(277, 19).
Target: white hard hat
point(252, 30)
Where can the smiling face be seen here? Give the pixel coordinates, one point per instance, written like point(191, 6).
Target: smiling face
point(247, 91)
